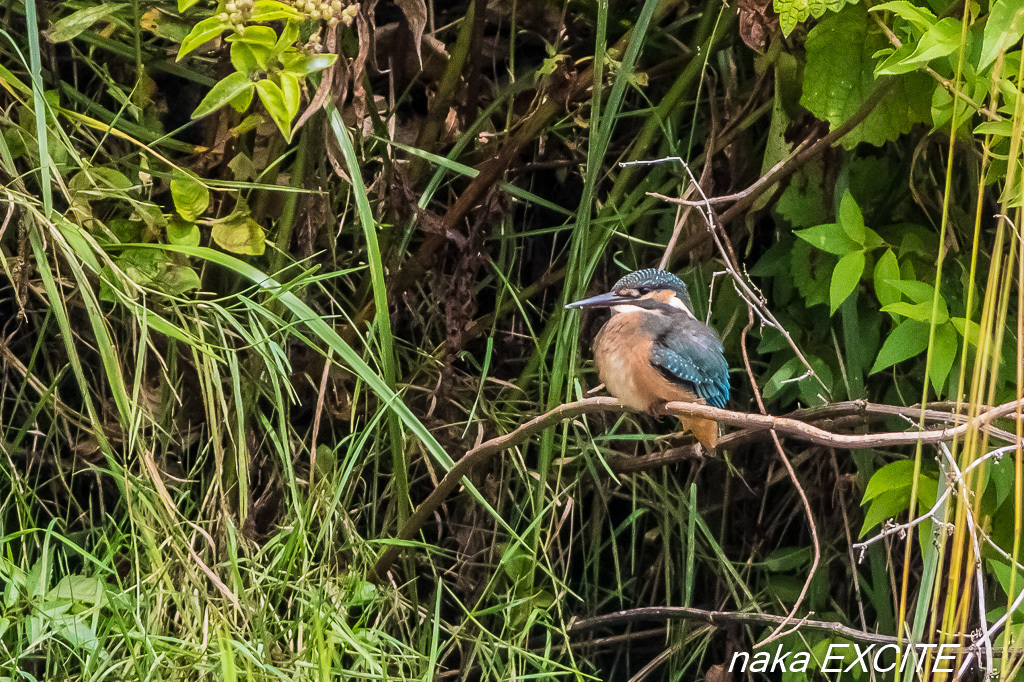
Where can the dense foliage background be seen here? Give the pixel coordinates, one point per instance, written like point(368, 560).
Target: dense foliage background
point(270, 269)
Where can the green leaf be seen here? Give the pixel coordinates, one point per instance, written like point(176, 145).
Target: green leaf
point(1004, 27)
point(884, 507)
point(812, 272)
point(803, 201)
point(272, 10)
point(80, 588)
point(223, 92)
point(273, 99)
point(73, 24)
point(182, 233)
point(845, 277)
point(246, 60)
point(892, 476)
point(289, 35)
point(191, 198)
point(154, 270)
point(922, 312)
point(918, 292)
point(292, 91)
point(908, 340)
point(943, 354)
point(968, 328)
point(941, 39)
point(207, 29)
point(1005, 574)
point(185, 4)
point(239, 233)
point(302, 64)
point(921, 17)
point(839, 78)
point(792, 12)
point(887, 268)
point(888, 492)
point(829, 237)
point(851, 219)
point(242, 100)
point(178, 280)
point(1002, 128)
point(263, 36)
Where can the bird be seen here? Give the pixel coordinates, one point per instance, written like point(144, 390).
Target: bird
point(654, 350)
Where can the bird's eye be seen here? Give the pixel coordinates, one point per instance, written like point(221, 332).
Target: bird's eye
point(643, 291)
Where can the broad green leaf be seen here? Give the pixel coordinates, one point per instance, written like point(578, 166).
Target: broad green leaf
point(182, 233)
point(302, 64)
point(791, 368)
point(1003, 128)
point(291, 88)
point(812, 271)
point(887, 268)
point(921, 17)
point(851, 219)
point(829, 237)
point(884, 507)
point(1004, 573)
point(246, 60)
point(223, 92)
point(191, 198)
point(968, 328)
point(289, 36)
point(273, 99)
point(845, 277)
point(1004, 27)
point(80, 588)
point(892, 476)
point(185, 4)
point(839, 78)
point(263, 36)
point(918, 292)
point(239, 234)
point(908, 340)
point(178, 280)
point(922, 312)
point(73, 24)
point(943, 354)
point(242, 100)
point(272, 10)
point(803, 201)
point(207, 29)
point(79, 636)
point(154, 270)
point(941, 39)
point(872, 240)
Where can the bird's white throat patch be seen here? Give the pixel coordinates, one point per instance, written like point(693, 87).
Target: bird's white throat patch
point(630, 309)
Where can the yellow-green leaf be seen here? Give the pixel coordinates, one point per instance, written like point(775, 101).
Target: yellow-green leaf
point(239, 234)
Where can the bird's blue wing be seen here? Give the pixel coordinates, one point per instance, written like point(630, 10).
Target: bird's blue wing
point(692, 355)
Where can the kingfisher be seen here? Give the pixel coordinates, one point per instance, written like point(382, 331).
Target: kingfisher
point(654, 350)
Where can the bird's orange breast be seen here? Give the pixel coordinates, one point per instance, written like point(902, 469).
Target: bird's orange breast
point(622, 353)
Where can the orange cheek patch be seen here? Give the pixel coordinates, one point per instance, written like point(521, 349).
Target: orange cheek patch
point(664, 296)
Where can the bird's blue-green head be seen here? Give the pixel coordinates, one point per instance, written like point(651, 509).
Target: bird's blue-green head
point(649, 290)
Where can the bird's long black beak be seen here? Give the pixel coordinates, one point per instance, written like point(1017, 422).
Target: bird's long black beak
point(600, 301)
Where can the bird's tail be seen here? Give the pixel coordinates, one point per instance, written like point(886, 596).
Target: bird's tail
point(705, 430)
